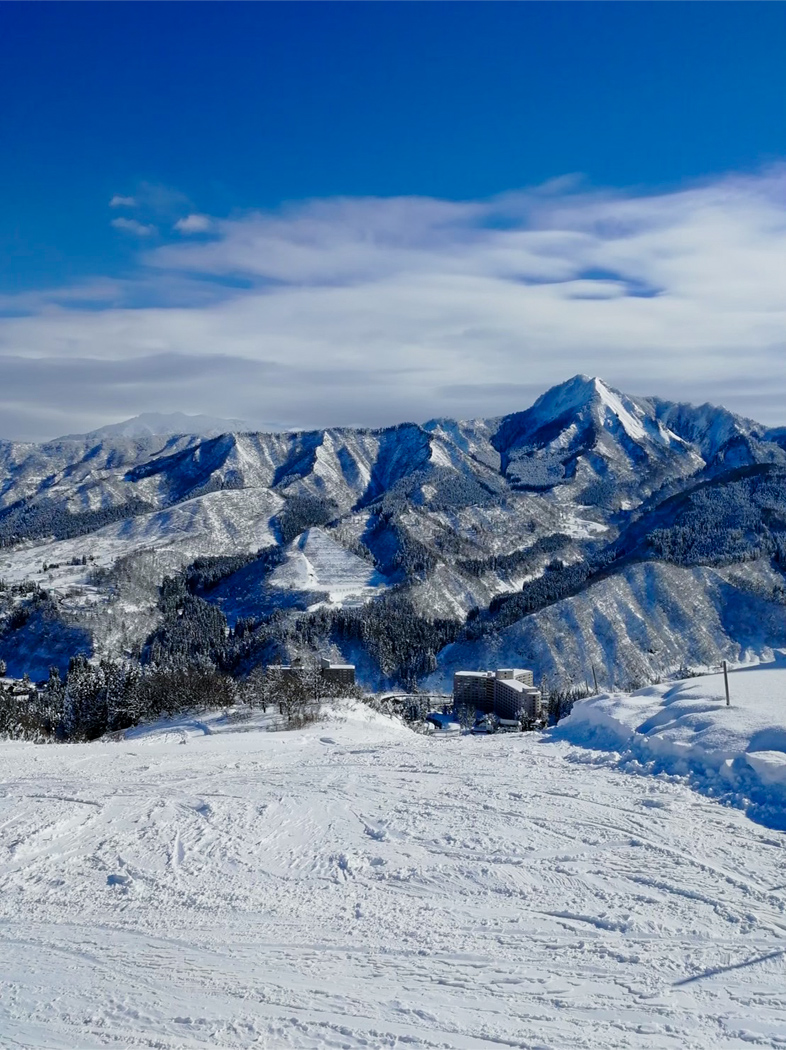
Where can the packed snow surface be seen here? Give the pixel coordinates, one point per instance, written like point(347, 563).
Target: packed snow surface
point(686, 728)
point(205, 884)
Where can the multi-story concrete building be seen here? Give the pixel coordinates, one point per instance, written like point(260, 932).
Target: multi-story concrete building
point(514, 699)
point(508, 692)
point(474, 688)
point(339, 674)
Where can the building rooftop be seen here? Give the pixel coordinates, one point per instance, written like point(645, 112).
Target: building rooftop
point(517, 686)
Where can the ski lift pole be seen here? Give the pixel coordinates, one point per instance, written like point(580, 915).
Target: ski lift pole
point(726, 683)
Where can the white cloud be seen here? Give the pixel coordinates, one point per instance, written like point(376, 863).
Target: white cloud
point(122, 202)
point(368, 311)
point(194, 224)
point(139, 229)
point(162, 200)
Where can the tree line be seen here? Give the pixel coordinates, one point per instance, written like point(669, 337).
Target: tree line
point(28, 520)
point(98, 698)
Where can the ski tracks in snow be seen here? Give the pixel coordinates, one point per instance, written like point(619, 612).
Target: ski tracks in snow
point(384, 891)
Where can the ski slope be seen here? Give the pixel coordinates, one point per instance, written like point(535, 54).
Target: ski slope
point(205, 884)
point(315, 562)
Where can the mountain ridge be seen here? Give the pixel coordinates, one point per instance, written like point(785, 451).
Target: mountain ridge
point(158, 424)
point(452, 515)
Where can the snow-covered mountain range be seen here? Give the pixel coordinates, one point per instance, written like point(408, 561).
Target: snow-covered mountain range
point(151, 424)
point(593, 528)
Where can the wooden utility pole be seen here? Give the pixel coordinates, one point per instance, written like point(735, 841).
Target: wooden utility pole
point(726, 683)
point(594, 678)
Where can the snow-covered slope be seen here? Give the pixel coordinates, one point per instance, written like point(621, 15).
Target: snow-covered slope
point(723, 438)
point(355, 885)
point(635, 625)
point(315, 562)
point(685, 728)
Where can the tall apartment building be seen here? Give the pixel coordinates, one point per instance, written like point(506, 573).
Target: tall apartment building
point(514, 698)
point(474, 688)
point(508, 692)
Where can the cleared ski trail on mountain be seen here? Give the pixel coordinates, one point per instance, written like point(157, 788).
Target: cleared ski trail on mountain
point(355, 885)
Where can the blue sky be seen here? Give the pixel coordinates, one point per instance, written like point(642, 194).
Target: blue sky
point(392, 203)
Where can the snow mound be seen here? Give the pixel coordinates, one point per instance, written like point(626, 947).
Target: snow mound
point(352, 718)
point(685, 729)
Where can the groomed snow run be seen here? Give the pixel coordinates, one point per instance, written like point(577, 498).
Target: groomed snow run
point(736, 753)
point(315, 562)
point(353, 884)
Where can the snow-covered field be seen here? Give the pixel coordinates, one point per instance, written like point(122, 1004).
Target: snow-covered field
point(356, 885)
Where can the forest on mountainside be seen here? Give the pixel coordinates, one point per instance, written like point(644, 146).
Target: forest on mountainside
point(723, 522)
point(394, 547)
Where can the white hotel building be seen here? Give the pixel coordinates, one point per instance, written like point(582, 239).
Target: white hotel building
point(508, 692)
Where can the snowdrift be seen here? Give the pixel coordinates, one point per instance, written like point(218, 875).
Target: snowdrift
point(684, 728)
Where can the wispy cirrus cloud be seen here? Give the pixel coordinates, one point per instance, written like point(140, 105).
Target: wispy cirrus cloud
point(425, 307)
point(138, 229)
point(154, 204)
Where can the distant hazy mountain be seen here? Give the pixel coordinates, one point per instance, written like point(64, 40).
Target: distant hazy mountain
point(594, 529)
point(150, 424)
